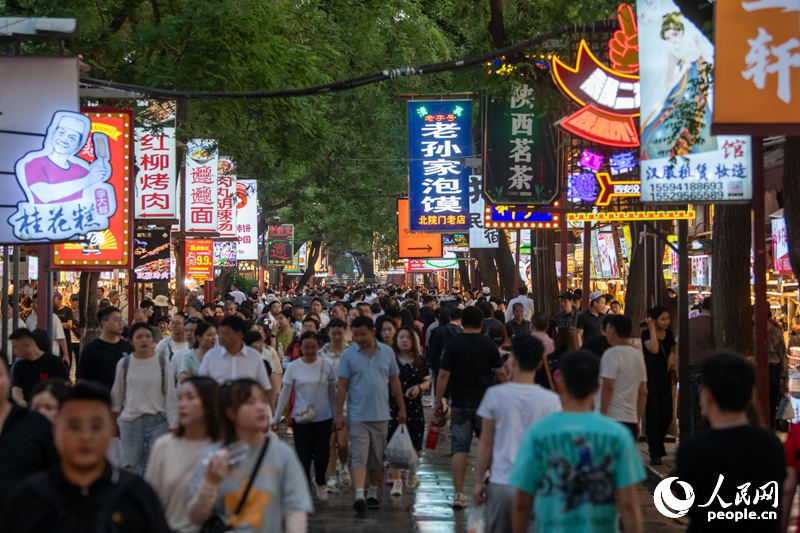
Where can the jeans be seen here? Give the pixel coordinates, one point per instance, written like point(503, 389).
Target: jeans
point(138, 436)
point(464, 422)
point(311, 443)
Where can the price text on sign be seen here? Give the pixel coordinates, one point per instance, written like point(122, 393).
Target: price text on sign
point(199, 259)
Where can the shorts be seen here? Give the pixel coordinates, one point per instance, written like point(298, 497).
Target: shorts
point(463, 423)
point(499, 506)
point(367, 444)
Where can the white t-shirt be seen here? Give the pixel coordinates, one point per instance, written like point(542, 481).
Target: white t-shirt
point(625, 365)
point(238, 296)
point(173, 351)
point(144, 391)
point(513, 407)
point(312, 385)
point(169, 471)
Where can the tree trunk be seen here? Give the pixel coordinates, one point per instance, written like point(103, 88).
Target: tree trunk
point(543, 271)
point(487, 268)
point(223, 281)
point(791, 199)
point(87, 306)
point(311, 263)
point(507, 268)
point(730, 279)
point(463, 272)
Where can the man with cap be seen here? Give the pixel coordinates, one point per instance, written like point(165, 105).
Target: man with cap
point(590, 322)
point(567, 317)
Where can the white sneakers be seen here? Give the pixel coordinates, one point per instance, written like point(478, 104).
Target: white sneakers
point(321, 492)
point(332, 485)
point(397, 487)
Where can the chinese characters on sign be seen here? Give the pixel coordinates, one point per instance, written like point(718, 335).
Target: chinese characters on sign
point(479, 235)
point(757, 62)
point(279, 253)
point(106, 244)
point(518, 216)
point(519, 165)
point(439, 138)
point(282, 232)
point(201, 187)
point(151, 261)
point(247, 220)
point(226, 198)
point(680, 160)
point(155, 179)
point(780, 247)
point(200, 259)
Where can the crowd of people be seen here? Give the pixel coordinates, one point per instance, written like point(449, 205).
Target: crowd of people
point(172, 421)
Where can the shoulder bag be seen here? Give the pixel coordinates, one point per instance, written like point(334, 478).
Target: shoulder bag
point(215, 523)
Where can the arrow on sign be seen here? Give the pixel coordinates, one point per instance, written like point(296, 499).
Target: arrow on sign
point(426, 248)
point(610, 189)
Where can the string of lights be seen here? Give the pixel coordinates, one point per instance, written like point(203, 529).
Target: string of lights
point(352, 83)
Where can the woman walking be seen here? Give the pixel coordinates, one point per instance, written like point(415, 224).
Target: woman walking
point(314, 382)
point(143, 398)
point(205, 335)
point(658, 346)
point(340, 440)
point(175, 456)
point(278, 499)
point(414, 380)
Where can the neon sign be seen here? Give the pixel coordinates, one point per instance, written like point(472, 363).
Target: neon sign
point(632, 216)
point(518, 217)
point(609, 189)
point(609, 97)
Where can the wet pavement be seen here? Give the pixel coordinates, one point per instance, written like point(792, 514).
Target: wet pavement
point(427, 508)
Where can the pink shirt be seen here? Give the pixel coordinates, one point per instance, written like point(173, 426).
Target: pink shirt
point(549, 347)
point(42, 170)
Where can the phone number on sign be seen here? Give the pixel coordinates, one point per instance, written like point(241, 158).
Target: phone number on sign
point(682, 192)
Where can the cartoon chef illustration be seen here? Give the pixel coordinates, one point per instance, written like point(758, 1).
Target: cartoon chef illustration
point(65, 194)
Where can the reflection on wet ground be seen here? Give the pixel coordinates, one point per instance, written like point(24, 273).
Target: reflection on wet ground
point(427, 508)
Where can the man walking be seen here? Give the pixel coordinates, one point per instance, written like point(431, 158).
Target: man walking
point(734, 459)
point(581, 467)
point(367, 371)
point(623, 393)
point(99, 358)
point(701, 346)
point(567, 317)
point(589, 323)
point(506, 412)
point(469, 363)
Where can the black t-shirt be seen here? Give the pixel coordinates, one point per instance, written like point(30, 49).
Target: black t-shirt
point(26, 447)
point(99, 361)
point(28, 373)
point(656, 363)
point(590, 324)
point(471, 359)
point(489, 322)
point(64, 314)
point(743, 454)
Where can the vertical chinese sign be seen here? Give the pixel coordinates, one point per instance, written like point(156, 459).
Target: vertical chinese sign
point(479, 235)
point(439, 137)
point(151, 261)
point(680, 160)
point(780, 247)
point(108, 247)
point(226, 198)
point(247, 220)
point(156, 183)
point(757, 70)
point(200, 259)
point(519, 165)
point(201, 187)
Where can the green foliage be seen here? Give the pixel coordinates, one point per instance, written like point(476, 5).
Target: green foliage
point(321, 160)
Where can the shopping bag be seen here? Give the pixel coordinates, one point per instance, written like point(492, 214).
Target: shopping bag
point(400, 452)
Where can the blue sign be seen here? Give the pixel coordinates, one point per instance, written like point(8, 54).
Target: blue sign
point(439, 138)
point(519, 213)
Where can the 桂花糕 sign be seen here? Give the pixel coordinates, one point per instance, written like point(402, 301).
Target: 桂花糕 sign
point(439, 138)
point(109, 146)
point(519, 165)
point(201, 187)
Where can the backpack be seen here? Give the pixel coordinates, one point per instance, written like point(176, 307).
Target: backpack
point(126, 361)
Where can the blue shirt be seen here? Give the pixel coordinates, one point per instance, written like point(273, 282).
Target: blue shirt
point(368, 382)
point(573, 464)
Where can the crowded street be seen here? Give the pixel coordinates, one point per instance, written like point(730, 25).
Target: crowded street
point(470, 266)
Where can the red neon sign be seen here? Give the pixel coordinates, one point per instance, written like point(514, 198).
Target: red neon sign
point(602, 127)
point(610, 189)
